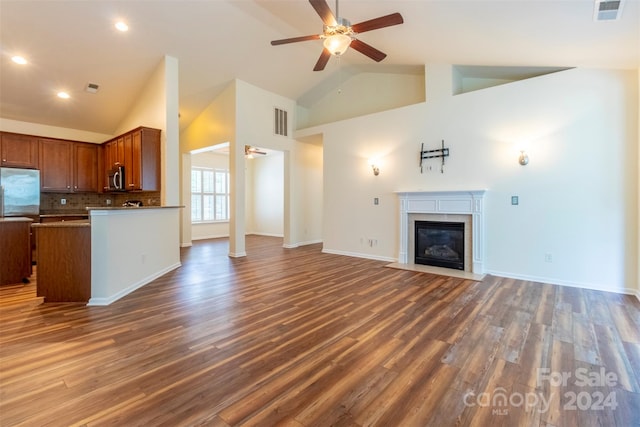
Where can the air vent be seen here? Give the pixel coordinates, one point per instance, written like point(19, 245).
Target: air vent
point(280, 122)
point(607, 10)
point(92, 87)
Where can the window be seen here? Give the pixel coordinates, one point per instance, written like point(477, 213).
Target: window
point(209, 194)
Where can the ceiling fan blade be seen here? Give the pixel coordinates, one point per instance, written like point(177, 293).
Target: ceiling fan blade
point(322, 8)
point(368, 50)
point(295, 39)
point(381, 22)
point(322, 61)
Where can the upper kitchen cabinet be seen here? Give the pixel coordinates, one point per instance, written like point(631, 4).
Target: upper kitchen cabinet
point(85, 167)
point(68, 167)
point(138, 151)
point(18, 151)
point(144, 172)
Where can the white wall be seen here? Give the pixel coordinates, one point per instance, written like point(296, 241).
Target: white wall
point(362, 94)
point(578, 195)
point(265, 184)
point(157, 106)
point(308, 188)
point(214, 125)
point(37, 129)
point(255, 127)
point(127, 251)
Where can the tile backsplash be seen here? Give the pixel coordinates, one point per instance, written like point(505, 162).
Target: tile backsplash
point(77, 202)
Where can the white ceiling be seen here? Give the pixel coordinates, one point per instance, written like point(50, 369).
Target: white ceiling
point(72, 43)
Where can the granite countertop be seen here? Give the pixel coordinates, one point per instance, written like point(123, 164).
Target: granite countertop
point(73, 223)
point(15, 219)
point(62, 214)
point(120, 208)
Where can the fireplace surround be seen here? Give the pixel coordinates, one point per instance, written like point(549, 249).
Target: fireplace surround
point(446, 206)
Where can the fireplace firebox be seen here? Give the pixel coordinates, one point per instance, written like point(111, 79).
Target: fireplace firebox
point(439, 244)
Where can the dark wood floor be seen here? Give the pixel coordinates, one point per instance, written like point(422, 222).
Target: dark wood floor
point(299, 338)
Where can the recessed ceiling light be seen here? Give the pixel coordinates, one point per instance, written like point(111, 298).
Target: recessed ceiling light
point(63, 95)
point(19, 60)
point(122, 26)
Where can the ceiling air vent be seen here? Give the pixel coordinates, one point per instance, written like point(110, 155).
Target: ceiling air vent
point(92, 87)
point(607, 10)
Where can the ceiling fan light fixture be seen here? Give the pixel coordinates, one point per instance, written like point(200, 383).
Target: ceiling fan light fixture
point(337, 44)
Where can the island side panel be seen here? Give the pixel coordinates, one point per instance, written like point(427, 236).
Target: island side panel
point(131, 247)
point(64, 263)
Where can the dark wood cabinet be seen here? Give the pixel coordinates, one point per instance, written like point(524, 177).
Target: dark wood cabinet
point(145, 157)
point(18, 151)
point(139, 152)
point(68, 166)
point(55, 165)
point(64, 262)
point(85, 170)
point(15, 250)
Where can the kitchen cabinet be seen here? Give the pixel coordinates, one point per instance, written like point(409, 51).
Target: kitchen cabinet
point(68, 166)
point(64, 261)
point(85, 167)
point(15, 250)
point(18, 151)
point(139, 152)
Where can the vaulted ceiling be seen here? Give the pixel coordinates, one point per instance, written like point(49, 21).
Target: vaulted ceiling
point(72, 43)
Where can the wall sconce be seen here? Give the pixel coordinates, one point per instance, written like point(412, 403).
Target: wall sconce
point(524, 158)
point(374, 166)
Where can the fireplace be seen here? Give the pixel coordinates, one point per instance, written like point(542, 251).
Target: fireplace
point(458, 206)
point(440, 244)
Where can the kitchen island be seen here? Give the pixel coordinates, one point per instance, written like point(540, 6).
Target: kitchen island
point(101, 259)
point(64, 260)
point(130, 247)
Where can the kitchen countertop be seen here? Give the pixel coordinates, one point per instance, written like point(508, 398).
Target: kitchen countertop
point(73, 223)
point(128, 208)
point(62, 214)
point(15, 219)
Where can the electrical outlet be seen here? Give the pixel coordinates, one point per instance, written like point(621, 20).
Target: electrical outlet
point(514, 200)
point(108, 202)
point(63, 201)
point(548, 257)
point(376, 201)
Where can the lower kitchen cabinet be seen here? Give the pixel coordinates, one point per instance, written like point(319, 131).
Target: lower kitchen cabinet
point(64, 261)
point(15, 250)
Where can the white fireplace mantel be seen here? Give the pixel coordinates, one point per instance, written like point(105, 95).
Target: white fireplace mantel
point(459, 202)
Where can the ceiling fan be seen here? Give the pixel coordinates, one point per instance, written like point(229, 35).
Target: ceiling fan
point(249, 151)
point(338, 34)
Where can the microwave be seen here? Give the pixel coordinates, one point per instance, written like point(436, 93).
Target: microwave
point(116, 179)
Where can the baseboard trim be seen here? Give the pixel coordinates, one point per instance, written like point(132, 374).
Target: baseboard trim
point(296, 245)
point(133, 287)
point(359, 255)
point(551, 281)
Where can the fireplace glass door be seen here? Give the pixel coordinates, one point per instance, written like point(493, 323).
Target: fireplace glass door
point(440, 244)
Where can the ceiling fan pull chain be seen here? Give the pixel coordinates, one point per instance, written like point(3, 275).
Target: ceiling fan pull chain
point(339, 64)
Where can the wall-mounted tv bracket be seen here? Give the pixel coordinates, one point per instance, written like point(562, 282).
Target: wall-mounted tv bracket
point(430, 154)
